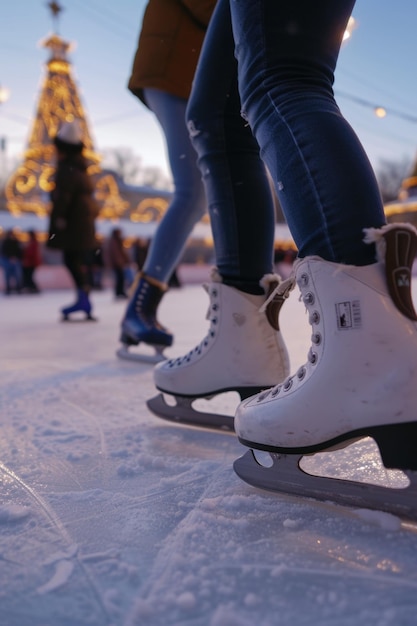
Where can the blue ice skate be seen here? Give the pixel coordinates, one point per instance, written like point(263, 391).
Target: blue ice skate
point(140, 325)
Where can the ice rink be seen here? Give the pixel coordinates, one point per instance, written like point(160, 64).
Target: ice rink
point(110, 516)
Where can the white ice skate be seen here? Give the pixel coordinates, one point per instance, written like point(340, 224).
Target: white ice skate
point(359, 380)
point(243, 352)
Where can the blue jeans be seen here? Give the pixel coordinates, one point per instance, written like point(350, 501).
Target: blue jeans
point(286, 54)
point(12, 274)
point(239, 196)
point(188, 203)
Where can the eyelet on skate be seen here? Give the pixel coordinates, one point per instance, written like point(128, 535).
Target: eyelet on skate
point(303, 280)
point(316, 339)
point(312, 357)
point(314, 317)
point(276, 391)
point(301, 373)
point(288, 384)
point(215, 307)
point(261, 397)
point(214, 320)
point(309, 298)
point(214, 292)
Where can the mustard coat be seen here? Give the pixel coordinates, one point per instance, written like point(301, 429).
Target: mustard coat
point(169, 46)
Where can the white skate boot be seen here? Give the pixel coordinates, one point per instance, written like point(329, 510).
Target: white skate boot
point(360, 377)
point(243, 351)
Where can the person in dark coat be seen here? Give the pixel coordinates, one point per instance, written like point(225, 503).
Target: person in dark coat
point(74, 210)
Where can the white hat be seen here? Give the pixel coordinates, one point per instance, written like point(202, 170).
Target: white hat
point(70, 132)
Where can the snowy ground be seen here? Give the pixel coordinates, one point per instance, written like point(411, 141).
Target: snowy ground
point(110, 516)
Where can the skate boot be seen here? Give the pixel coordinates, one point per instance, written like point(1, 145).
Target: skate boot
point(140, 325)
point(360, 377)
point(243, 352)
point(82, 304)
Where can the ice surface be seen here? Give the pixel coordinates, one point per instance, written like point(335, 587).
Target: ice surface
point(110, 516)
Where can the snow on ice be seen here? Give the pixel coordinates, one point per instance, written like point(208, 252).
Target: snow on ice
point(111, 516)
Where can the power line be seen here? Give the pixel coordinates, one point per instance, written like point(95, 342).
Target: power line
point(374, 107)
point(108, 22)
point(369, 85)
point(16, 118)
point(118, 118)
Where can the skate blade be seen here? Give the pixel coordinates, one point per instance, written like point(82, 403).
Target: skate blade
point(284, 475)
point(152, 359)
point(184, 413)
point(78, 320)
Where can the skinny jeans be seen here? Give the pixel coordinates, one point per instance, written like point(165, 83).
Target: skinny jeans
point(282, 57)
point(188, 204)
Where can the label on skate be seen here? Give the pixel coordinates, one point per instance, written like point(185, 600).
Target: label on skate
point(348, 315)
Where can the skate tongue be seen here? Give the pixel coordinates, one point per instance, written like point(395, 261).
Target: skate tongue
point(280, 292)
point(275, 299)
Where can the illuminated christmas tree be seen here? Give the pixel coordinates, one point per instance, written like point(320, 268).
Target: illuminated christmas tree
point(29, 186)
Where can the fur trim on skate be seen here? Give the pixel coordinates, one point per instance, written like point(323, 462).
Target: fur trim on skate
point(377, 236)
point(269, 279)
point(277, 291)
point(215, 276)
point(396, 248)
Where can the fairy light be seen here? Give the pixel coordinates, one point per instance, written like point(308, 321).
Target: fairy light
point(4, 94)
point(380, 112)
point(351, 25)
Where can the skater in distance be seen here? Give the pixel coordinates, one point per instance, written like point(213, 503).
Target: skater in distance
point(273, 65)
point(73, 214)
point(163, 69)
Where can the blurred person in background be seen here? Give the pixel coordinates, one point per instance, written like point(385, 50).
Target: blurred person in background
point(118, 260)
point(11, 258)
point(72, 219)
point(32, 258)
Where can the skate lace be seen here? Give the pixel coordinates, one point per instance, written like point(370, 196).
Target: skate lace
point(212, 316)
point(308, 298)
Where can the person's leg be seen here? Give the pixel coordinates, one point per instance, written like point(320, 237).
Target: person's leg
point(74, 262)
point(188, 203)
point(119, 282)
point(19, 275)
point(8, 274)
point(16, 274)
point(31, 279)
point(358, 378)
point(238, 192)
point(187, 207)
point(287, 53)
point(27, 278)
